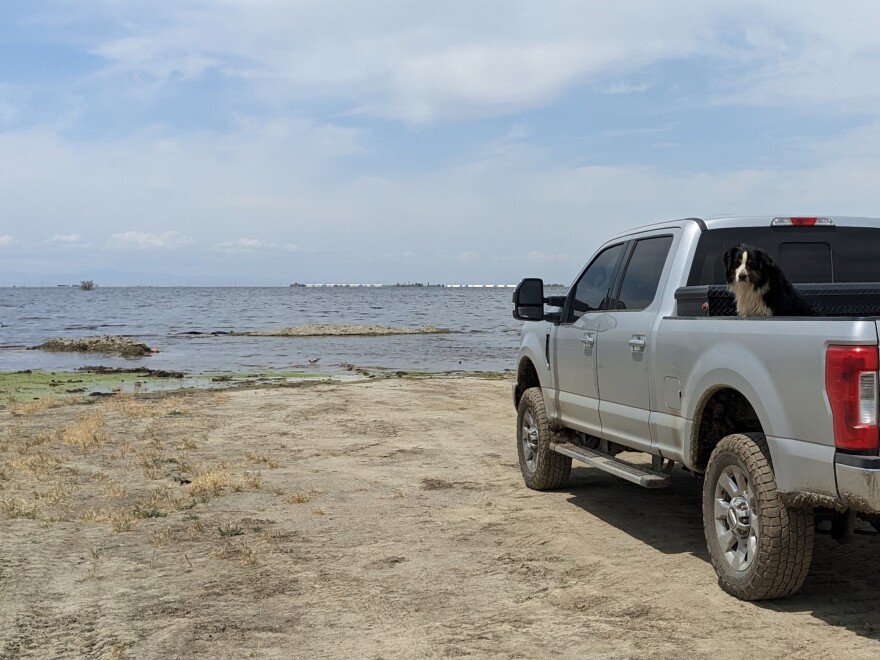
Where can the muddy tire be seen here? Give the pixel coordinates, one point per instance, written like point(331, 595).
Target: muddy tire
point(542, 468)
point(759, 548)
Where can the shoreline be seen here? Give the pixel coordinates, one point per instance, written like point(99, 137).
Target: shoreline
point(83, 383)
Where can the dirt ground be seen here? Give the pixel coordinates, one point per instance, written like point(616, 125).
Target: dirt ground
point(383, 519)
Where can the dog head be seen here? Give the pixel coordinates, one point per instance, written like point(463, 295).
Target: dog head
point(746, 263)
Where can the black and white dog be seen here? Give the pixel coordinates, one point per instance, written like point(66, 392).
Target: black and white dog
point(759, 286)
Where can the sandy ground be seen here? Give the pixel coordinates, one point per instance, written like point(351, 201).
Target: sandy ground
point(384, 519)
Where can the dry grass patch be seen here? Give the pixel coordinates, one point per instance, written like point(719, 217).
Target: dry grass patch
point(229, 528)
point(242, 552)
point(17, 507)
point(187, 444)
point(32, 407)
point(87, 432)
point(298, 498)
point(129, 406)
point(123, 520)
point(257, 457)
point(161, 537)
point(210, 481)
point(54, 494)
point(250, 481)
point(154, 435)
point(114, 489)
point(195, 530)
point(96, 515)
point(31, 440)
point(151, 464)
point(38, 464)
point(122, 450)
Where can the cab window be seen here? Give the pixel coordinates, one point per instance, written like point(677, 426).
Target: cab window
point(592, 291)
point(642, 276)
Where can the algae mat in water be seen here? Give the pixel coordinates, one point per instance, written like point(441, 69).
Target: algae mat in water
point(34, 384)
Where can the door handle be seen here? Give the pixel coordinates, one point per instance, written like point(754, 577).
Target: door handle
point(588, 340)
point(637, 343)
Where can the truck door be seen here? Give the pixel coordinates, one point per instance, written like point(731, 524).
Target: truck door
point(624, 354)
point(577, 338)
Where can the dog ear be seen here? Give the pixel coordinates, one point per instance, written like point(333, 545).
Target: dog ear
point(730, 258)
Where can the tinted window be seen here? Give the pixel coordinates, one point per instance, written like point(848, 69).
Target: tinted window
point(805, 254)
point(806, 262)
point(592, 290)
point(643, 273)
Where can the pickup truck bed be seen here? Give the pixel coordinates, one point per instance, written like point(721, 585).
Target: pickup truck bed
point(844, 299)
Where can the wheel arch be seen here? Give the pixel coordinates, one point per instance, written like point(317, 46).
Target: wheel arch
point(526, 377)
point(721, 411)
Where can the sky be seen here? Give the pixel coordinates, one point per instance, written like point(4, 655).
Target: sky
point(265, 142)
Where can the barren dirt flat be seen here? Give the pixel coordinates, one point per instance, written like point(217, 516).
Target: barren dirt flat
point(383, 519)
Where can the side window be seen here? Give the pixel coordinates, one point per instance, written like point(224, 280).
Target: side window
point(592, 290)
point(643, 273)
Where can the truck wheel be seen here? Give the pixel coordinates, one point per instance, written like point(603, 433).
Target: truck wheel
point(542, 468)
point(759, 548)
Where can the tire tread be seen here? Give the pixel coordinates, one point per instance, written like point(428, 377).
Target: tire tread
point(786, 543)
point(553, 469)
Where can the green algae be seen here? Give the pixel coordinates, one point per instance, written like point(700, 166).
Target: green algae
point(36, 384)
point(22, 386)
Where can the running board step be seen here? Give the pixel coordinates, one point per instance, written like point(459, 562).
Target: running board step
point(622, 469)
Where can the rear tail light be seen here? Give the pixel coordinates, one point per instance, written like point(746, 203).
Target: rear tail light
point(801, 222)
point(851, 386)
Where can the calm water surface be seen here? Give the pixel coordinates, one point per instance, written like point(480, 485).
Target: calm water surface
point(484, 334)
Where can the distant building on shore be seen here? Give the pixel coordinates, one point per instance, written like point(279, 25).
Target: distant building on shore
point(413, 285)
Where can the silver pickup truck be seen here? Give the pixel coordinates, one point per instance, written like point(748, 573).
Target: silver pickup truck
point(778, 415)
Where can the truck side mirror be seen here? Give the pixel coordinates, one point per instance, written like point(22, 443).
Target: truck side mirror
point(528, 300)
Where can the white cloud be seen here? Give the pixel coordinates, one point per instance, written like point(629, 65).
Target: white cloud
point(6, 240)
point(67, 239)
point(241, 245)
point(415, 62)
point(143, 240)
point(422, 63)
point(627, 88)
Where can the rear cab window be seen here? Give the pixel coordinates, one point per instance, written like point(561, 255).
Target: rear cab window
point(820, 255)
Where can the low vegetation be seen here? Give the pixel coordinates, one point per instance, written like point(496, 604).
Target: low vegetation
point(131, 465)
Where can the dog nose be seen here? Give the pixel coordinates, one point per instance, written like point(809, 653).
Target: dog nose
point(741, 277)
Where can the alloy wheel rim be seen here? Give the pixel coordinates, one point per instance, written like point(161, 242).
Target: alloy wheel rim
point(736, 521)
point(529, 441)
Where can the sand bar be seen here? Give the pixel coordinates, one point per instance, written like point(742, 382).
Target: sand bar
point(336, 330)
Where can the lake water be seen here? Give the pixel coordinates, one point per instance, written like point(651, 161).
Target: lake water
point(484, 335)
